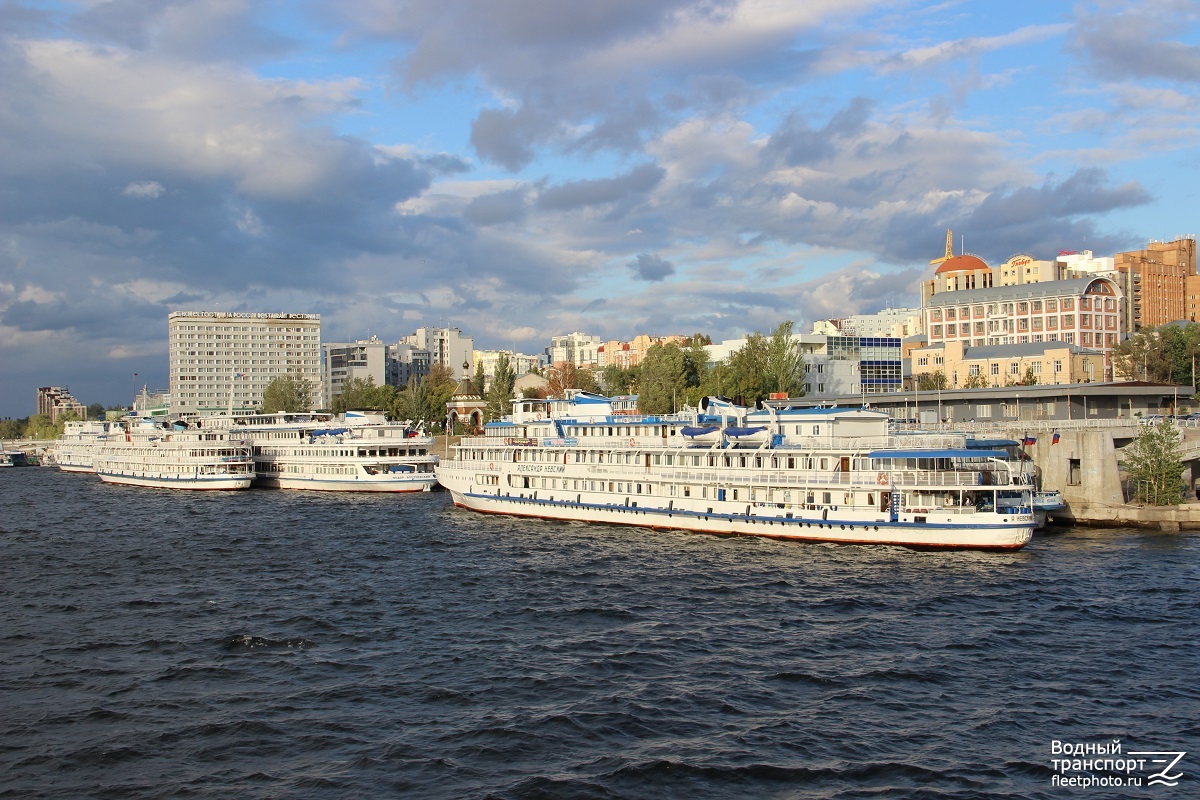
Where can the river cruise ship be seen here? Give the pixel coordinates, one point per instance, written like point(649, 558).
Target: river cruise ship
point(816, 474)
point(178, 456)
point(360, 453)
point(75, 448)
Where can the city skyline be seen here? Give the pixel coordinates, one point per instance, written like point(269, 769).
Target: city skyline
point(527, 169)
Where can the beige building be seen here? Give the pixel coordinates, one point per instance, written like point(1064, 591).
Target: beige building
point(631, 353)
point(55, 401)
point(1008, 365)
point(1157, 282)
point(221, 360)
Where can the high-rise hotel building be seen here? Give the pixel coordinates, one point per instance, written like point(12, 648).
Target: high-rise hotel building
point(222, 359)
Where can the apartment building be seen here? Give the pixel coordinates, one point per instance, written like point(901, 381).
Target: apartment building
point(55, 401)
point(576, 348)
point(447, 347)
point(1156, 282)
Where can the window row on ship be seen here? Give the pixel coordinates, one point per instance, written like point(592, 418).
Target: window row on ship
point(621, 432)
point(683, 459)
point(765, 495)
point(383, 452)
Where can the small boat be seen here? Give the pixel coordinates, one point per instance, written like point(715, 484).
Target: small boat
point(1045, 503)
point(702, 434)
point(756, 435)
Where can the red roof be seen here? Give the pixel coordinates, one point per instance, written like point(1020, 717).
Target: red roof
point(963, 263)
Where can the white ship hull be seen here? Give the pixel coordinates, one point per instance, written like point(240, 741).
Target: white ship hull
point(937, 531)
point(423, 483)
point(174, 481)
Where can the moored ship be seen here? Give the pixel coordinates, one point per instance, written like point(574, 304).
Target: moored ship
point(79, 442)
point(816, 474)
point(178, 457)
point(313, 451)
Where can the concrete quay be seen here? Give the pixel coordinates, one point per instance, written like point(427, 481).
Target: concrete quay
point(1083, 466)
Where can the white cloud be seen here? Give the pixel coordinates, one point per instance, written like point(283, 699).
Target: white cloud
point(143, 189)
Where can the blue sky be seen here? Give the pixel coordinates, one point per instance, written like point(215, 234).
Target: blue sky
point(528, 168)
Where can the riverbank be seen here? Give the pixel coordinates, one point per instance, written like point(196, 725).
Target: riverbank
point(1171, 519)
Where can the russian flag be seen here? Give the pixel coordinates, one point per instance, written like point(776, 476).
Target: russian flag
point(1055, 439)
point(1028, 440)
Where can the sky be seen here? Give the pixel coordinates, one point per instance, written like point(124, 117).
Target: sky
point(529, 168)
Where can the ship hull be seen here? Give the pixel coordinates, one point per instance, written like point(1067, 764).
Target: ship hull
point(210, 482)
point(423, 484)
point(1001, 535)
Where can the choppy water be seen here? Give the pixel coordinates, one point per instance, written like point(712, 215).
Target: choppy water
point(270, 644)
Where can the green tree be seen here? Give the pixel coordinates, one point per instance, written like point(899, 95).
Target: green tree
point(355, 395)
point(291, 392)
point(976, 381)
point(1030, 378)
point(1144, 356)
point(932, 381)
point(785, 364)
point(500, 393)
point(95, 411)
point(480, 381)
point(616, 380)
point(763, 366)
point(13, 428)
point(663, 379)
point(424, 399)
point(1154, 463)
point(39, 426)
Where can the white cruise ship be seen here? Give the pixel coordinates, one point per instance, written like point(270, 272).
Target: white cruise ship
point(362, 453)
point(179, 457)
point(75, 448)
point(823, 474)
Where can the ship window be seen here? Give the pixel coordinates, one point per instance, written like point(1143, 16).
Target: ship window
point(826, 498)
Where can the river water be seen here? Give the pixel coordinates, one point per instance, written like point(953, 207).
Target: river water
point(275, 644)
